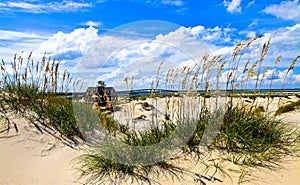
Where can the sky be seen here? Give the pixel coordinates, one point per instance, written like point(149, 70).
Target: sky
point(118, 39)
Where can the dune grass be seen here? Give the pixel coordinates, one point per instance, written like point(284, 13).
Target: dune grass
point(31, 89)
point(125, 165)
point(257, 139)
point(248, 135)
point(109, 172)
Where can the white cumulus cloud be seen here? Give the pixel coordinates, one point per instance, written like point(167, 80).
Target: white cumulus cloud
point(115, 56)
point(286, 41)
point(70, 45)
point(233, 6)
point(286, 10)
point(14, 42)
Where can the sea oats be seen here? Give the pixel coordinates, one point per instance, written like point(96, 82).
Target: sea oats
point(246, 67)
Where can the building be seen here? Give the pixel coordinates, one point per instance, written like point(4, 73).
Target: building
point(100, 94)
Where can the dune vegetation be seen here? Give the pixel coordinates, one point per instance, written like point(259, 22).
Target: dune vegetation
point(248, 135)
point(31, 88)
point(288, 107)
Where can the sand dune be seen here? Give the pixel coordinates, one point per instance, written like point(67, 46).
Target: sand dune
point(29, 157)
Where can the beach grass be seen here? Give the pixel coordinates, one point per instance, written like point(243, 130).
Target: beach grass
point(257, 139)
point(248, 135)
point(31, 89)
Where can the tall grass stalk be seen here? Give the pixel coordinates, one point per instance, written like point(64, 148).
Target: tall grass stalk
point(33, 86)
point(247, 136)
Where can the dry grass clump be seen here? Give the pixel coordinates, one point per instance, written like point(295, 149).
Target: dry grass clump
point(248, 134)
point(28, 85)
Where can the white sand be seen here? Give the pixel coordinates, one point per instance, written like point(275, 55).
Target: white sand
point(29, 157)
point(287, 174)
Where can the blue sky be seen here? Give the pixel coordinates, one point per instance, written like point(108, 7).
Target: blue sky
point(68, 29)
